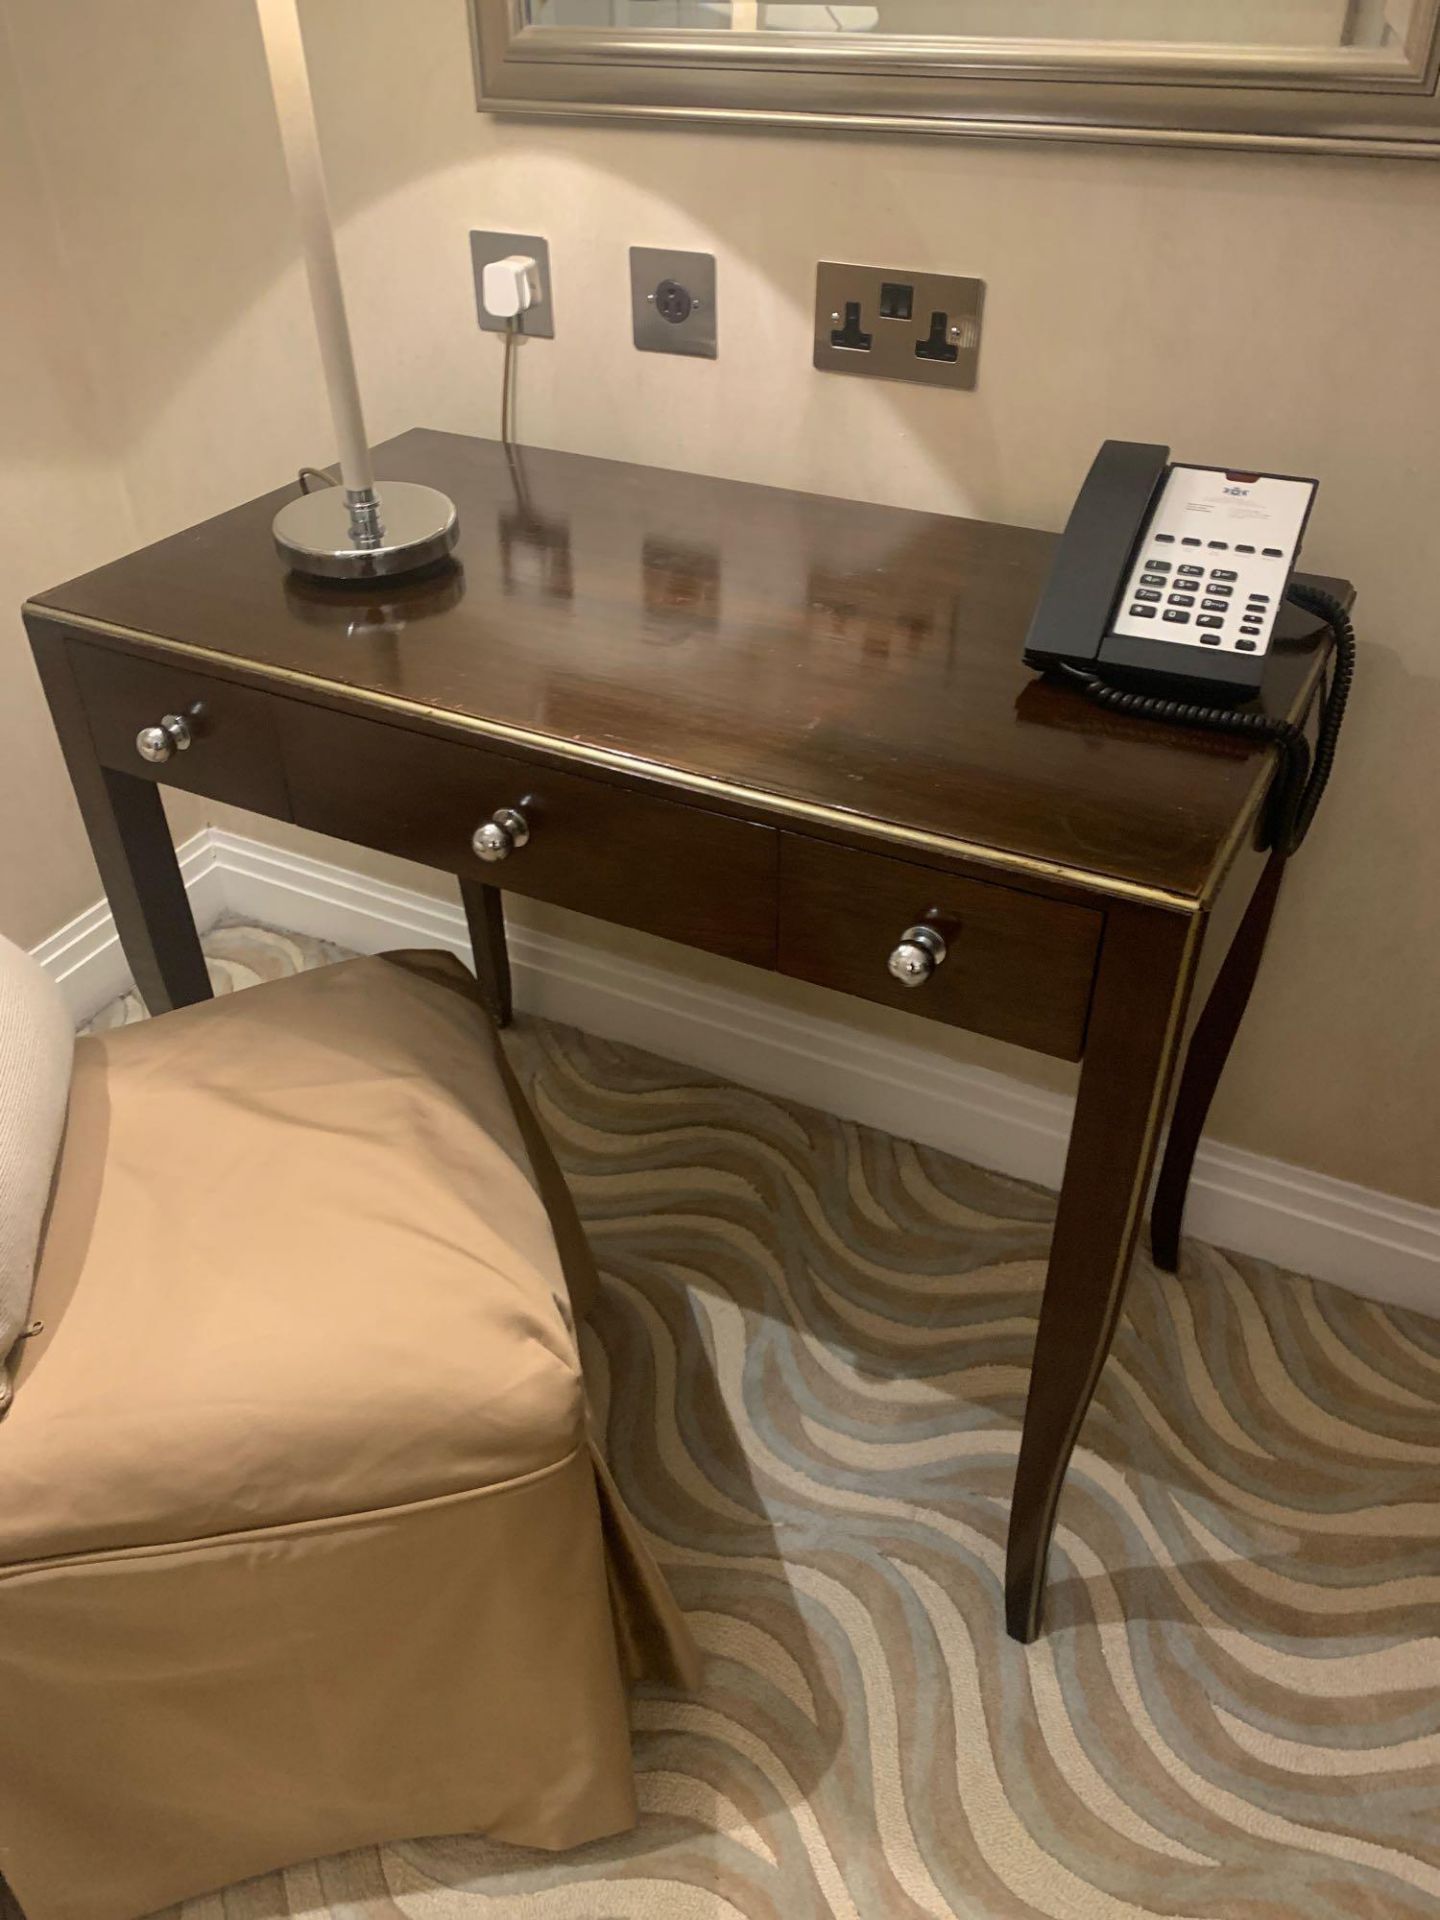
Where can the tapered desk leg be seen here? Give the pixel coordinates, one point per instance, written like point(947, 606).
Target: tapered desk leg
point(1146, 965)
point(485, 912)
point(131, 842)
point(1210, 1046)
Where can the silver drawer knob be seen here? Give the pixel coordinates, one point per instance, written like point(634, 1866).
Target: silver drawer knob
point(157, 744)
point(501, 834)
point(920, 952)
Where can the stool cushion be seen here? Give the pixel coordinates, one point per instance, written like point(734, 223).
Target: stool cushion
point(318, 1276)
point(36, 1041)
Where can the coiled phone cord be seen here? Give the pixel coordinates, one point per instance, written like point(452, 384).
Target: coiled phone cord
point(1301, 778)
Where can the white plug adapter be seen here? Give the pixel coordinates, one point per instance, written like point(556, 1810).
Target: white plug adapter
point(511, 286)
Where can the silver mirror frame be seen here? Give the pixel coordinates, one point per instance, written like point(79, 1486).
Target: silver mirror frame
point(1281, 100)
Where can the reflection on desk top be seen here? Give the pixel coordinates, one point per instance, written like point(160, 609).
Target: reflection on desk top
point(830, 659)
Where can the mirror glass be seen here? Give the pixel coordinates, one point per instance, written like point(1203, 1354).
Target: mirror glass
point(1332, 26)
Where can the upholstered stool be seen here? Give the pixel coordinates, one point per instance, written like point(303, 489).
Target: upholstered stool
point(303, 1543)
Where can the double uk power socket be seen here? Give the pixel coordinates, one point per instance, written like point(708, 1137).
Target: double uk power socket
point(891, 324)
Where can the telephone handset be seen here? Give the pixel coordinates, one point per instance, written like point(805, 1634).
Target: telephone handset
point(1162, 602)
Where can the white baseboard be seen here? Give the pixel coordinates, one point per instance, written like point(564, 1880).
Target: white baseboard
point(1371, 1243)
point(85, 959)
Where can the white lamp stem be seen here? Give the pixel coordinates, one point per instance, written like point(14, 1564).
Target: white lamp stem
point(290, 81)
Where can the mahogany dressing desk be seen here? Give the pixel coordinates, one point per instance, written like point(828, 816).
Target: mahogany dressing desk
point(780, 727)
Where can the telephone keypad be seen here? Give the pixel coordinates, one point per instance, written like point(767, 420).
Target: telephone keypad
point(1217, 590)
point(1230, 607)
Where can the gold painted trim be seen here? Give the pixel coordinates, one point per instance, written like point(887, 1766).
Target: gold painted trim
point(1249, 814)
point(893, 833)
point(1230, 847)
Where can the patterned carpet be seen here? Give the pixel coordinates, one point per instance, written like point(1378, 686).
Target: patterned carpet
point(822, 1336)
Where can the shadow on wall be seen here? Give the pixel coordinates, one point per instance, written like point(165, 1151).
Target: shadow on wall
point(185, 238)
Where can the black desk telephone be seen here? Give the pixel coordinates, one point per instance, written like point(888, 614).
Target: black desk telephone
point(1162, 602)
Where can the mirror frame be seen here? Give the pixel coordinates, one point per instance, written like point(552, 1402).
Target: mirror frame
point(1308, 101)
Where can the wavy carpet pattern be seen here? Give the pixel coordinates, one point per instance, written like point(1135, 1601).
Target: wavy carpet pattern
point(812, 1353)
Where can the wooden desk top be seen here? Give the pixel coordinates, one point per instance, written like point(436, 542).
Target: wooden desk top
point(837, 661)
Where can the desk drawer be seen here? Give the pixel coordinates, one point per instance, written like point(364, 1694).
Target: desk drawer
point(665, 868)
point(1017, 965)
point(234, 751)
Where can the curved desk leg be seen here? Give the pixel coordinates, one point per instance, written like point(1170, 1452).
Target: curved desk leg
point(1146, 965)
point(485, 912)
point(1210, 1046)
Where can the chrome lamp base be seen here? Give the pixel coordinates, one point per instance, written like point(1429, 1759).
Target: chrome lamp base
point(337, 535)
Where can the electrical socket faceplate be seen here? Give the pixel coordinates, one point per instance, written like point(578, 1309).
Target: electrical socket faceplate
point(537, 322)
point(894, 325)
point(672, 298)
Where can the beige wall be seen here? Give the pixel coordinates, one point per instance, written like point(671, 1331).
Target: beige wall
point(61, 506)
point(64, 507)
point(1259, 310)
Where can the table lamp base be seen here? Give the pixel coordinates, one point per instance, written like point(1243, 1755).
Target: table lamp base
point(334, 536)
